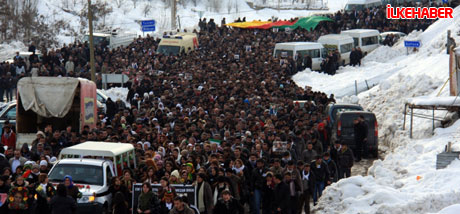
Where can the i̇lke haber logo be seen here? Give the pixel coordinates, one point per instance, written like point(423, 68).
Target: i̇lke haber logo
point(419, 12)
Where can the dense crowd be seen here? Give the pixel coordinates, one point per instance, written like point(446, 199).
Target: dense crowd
point(229, 125)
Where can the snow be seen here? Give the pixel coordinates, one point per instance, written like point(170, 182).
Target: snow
point(436, 101)
point(116, 93)
point(406, 180)
point(8, 50)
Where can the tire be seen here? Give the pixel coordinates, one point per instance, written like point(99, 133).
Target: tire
point(375, 153)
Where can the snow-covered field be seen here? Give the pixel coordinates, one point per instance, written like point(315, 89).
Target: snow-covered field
point(406, 181)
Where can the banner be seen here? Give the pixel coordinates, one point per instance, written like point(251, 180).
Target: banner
point(181, 190)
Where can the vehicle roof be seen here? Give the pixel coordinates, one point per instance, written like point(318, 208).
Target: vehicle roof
point(363, 1)
point(338, 37)
point(100, 92)
point(100, 34)
point(95, 148)
point(356, 112)
point(298, 45)
point(82, 161)
point(392, 32)
point(360, 31)
point(344, 104)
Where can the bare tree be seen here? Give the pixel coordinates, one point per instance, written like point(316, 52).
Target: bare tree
point(147, 9)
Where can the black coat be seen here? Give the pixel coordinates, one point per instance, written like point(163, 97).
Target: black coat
point(360, 132)
point(231, 207)
point(345, 158)
point(281, 198)
point(258, 180)
point(322, 173)
point(63, 205)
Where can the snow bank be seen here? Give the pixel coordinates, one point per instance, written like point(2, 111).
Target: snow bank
point(454, 209)
point(117, 93)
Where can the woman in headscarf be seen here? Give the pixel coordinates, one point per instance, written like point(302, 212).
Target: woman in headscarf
point(72, 190)
point(166, 190)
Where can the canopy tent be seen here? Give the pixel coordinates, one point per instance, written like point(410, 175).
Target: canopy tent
point(307, 23)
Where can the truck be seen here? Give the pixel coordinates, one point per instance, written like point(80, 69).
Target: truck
point(92, 165)
point(55, 101)
point(111, 39)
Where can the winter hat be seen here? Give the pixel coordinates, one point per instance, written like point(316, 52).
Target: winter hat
point(151, 93)
point(175, 173)
point(41, 133)
point(43, 163)
point(53, 159)
point(35, 166)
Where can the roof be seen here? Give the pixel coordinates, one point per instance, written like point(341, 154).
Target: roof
point(84, 161)
point(294, 44)
point(356, 112)
point(434, 101)
point(335, 37)
point(360, 31)
point(95, 148)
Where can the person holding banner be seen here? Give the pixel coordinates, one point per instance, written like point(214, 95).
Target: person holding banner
point(148, 201)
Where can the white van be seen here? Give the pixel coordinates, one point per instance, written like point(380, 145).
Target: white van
point(92, 165)
point(315, 50)
point(366, 39)
point(361, 4)
point(178, 44)
point(343, 43)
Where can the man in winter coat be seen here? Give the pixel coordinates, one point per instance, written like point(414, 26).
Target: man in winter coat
point(257, 183)
point(321, 172)
point(345, 161)
point(360, 128)
point(281, 198)
point(180, 207)
point(228, 205)
point(332, 166)
point(308, 184)
point(309, 154)
point(293, 179)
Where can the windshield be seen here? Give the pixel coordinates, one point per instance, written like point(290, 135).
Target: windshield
point(96, 39)
point(283, 53)
point(81, 174)
point(168, 50)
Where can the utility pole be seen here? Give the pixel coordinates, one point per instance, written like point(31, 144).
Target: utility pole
point(173, 14)
point(91, 42)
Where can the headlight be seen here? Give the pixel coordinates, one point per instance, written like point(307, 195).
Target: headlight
point(86, 199)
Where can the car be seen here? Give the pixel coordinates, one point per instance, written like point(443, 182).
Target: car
point(343, 130)
point(333, 109)
point(8, 113)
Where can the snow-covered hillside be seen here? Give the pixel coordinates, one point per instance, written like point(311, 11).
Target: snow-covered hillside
point(406, 181)
point(125, 14)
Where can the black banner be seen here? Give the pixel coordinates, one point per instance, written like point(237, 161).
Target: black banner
point(181, 190)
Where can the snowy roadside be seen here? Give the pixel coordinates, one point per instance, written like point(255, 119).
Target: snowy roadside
point(406, 181)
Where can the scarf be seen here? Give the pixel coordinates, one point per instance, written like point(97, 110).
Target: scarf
point(238, 170)
point(144, 200)
point(201, 205)
point(305, 177)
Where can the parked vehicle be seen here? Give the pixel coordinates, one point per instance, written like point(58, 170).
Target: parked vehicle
point(398, 35)
point(359, 5)
point(333, 109)
point(92, 166)
point(366, 39)
point(343, 43)
point(8, 112)
point(56, 101)
point(111, 39)
point(178, 44)
point(343, 130)
point(315, 50)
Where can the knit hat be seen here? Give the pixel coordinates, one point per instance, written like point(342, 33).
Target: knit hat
point(43, 163)
point(175, 173)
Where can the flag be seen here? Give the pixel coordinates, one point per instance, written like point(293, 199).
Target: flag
point(211, 140)
point(3, 197)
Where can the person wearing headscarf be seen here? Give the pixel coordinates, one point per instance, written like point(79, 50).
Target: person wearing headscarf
point(72, 190)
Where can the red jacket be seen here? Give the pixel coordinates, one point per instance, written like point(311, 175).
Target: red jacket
point(9, 139)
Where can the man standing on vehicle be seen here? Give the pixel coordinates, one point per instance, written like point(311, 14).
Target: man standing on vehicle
point(361, 129)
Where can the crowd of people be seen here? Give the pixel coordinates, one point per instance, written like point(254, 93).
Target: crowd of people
point(228, 125)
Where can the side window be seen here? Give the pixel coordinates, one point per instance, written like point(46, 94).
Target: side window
point(11, 114)
point(109, 175)
point(100, 98)
point(356, 40)
point(345, 48)
point(323, 52)
point(372, 40)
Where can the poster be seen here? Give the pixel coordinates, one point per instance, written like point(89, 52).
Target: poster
point(89, 110)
